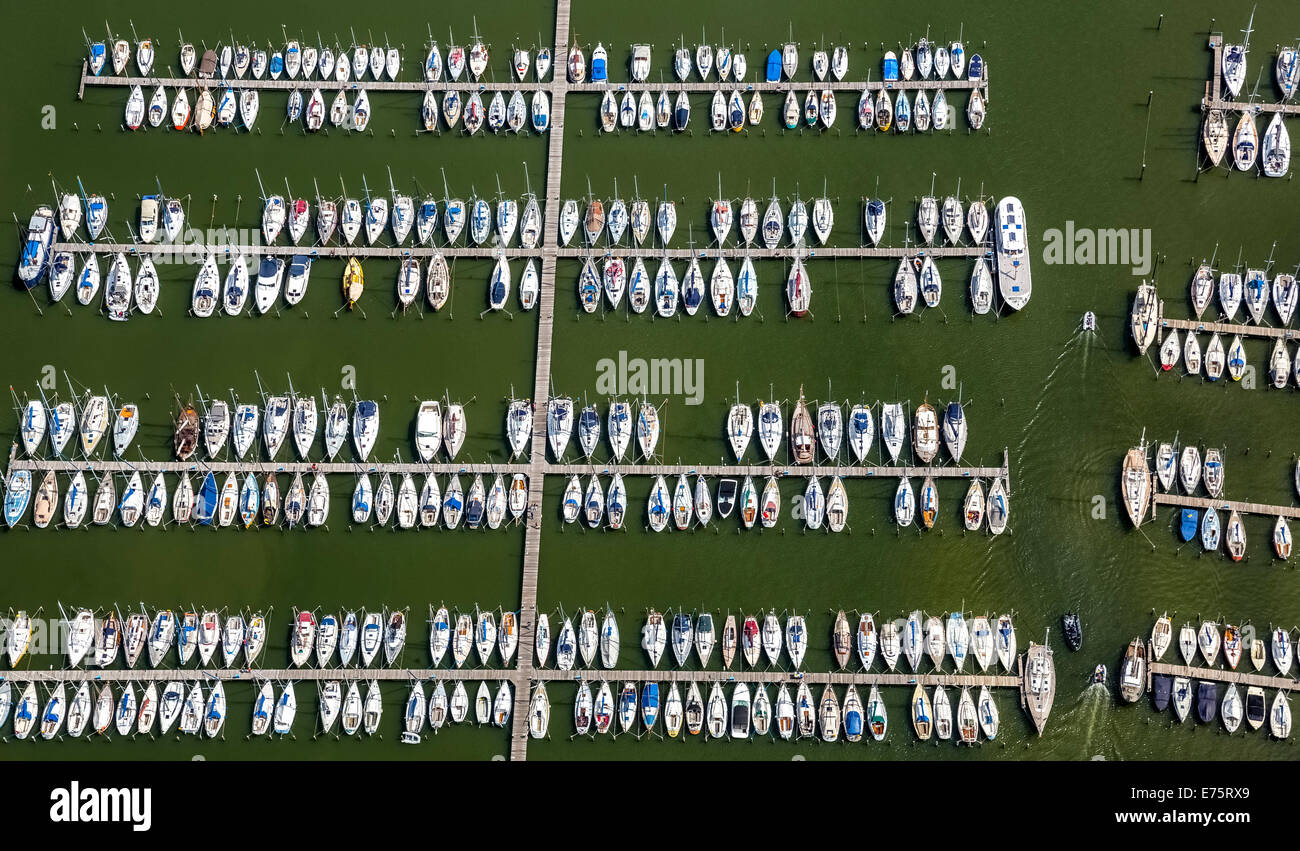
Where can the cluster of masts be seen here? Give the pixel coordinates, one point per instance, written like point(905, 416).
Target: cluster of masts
point(923, 60)
point(603, 223)
point(728, 111)
point(299, 59)
point(1273, 153)
point(221, 109)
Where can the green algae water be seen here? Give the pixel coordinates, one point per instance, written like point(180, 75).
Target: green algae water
point(1093, 119)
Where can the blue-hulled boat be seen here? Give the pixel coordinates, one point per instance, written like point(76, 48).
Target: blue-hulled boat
point(598, 71)
point(891, 67)
point(976, 67)
point(1207, 701)
point(650, 704)
point(773, 73)
point(682, 111)
point(205, 505)
point(1190, 523)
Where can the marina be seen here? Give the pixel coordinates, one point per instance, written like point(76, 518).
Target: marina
point(1051, 410)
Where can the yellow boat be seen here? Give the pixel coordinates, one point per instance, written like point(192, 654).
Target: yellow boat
point(353, 281)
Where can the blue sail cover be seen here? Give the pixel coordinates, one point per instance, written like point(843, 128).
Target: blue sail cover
point(774, 66)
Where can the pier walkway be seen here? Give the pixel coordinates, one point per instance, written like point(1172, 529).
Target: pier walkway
point(534, 470)
point(541, 386)
point(774, 676)
point(1244, 679)
point(553, 252)
point(1221, 328)
point(1204, 502)
point(559, 75)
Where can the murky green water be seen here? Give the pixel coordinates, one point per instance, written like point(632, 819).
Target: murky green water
point(1066, 129)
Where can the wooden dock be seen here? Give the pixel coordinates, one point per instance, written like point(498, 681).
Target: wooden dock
point(559, 76)
point(541, 387)
point(194, 253)
point(1214, 90)
point(774, 676)
point(1221, 328)
point(70, 467)
point(578, 468)
point(1204, 502)
point(1244, 679)
point(534, 470)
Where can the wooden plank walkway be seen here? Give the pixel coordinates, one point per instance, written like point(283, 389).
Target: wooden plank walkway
point(68, 467)
point(780, 471)
point(1222, 328)
point(541, 387)
point(559, 73)
point(1182, 501)
point(1223, 675)
point(405, 674)
point(535, 470)
point(1214, 90)
point(780, 87)
point(194, 253)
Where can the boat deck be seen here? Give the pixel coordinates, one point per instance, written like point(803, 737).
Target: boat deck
point(1037, 705)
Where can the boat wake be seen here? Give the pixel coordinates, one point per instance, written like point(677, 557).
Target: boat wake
point(1042, 397)
point(1093, 701)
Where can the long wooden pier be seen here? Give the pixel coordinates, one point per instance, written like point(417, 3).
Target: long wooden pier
point(196, 253)
point(527, 87)
point(1204, 502)
point(1222, 675)
point(406, 674)
point(534, 470)
point(783, 470)
point(1214, 90)
point(1222, 328)
point(69, 467)
point(541, 388)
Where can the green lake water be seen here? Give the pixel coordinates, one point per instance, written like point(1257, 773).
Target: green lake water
point(1080, 95)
